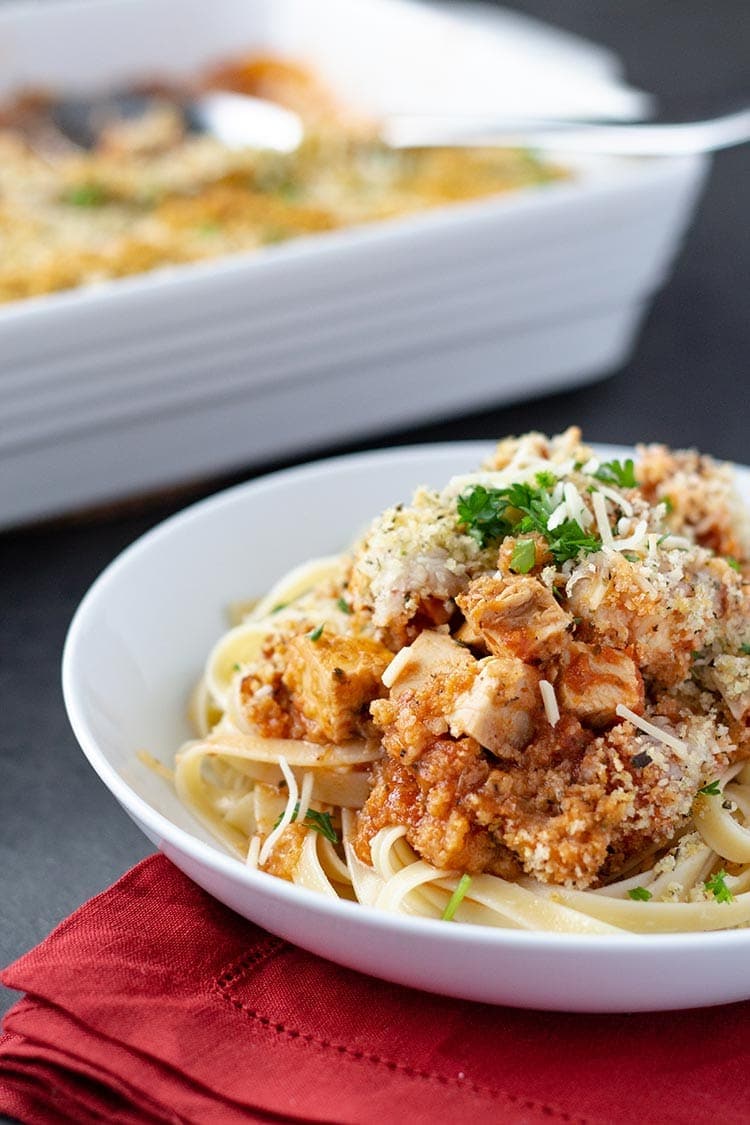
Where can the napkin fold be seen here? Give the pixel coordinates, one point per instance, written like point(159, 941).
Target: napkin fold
point(153, 1003)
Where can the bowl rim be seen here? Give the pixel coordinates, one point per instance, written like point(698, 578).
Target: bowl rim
point(223, 863)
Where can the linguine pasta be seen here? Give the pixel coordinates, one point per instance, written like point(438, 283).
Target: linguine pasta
point(520, 702)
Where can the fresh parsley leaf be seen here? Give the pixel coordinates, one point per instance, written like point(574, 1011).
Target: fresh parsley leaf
point(639, 894)
point(85, 195)
point(745, 648)
point(321, 822)
point(482, 512)
point(546, 479)
point(317, 633)
point(318, 821)
point(457, 897)
point(570, 540)
point(718, 887)
point(615, 472)
point(490, 514)
point(730, 561)
point(524, 556)
point(344, 606)
point(711, 790)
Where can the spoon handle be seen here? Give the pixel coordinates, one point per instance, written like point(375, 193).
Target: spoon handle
point(626, 139)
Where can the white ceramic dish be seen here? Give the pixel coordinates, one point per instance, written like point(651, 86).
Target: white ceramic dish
point(176, 374)
point(138, 643)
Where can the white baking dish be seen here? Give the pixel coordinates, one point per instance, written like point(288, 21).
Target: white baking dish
point(183, 372)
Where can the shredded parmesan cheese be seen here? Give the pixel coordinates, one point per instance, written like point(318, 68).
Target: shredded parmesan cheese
point(680, 748)
point(305, 795)
point(571, 507)
point(602, 522)
point(549, 699)
point(624, 505)
point(635, 542)
point(400, 661)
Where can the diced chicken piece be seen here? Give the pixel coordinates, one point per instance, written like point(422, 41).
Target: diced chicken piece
point(332, 680)
point(517, 613)
point(594, 679)
point(425, 680)
point(499, 708)
point(661, 615)
point(467, 635)
point(431, 654)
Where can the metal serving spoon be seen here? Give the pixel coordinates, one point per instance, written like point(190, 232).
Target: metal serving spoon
point(237, 120)
point(241, 121)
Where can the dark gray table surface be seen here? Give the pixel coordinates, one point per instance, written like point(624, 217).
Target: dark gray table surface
point(62, 837)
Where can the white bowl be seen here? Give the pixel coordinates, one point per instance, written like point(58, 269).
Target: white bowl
point(150, 380)
point(138, 643)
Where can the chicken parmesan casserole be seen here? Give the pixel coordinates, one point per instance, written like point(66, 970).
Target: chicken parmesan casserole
point(521, 701)
point(151, 193)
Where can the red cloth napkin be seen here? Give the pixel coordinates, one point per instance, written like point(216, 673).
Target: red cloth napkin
point(153, 1003)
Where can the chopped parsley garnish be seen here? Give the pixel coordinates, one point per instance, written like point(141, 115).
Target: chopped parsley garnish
point(718, 887)
point(344, 606)
point(711, 790)
point(570, 540)
point(278, 608)
point(490, 514)
point(482, 512)
point(730, 561)
point(318, 821)
point(745, 649)
point(235, 667)
point(317, 633)
point(289, 190)
point(524, 556)
point(668, 503)
point(321, 822)
point(615, 472)
point(85, 195)
point(457, 897)
point(546, 479)
point(639, 894)
point(631, 556)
